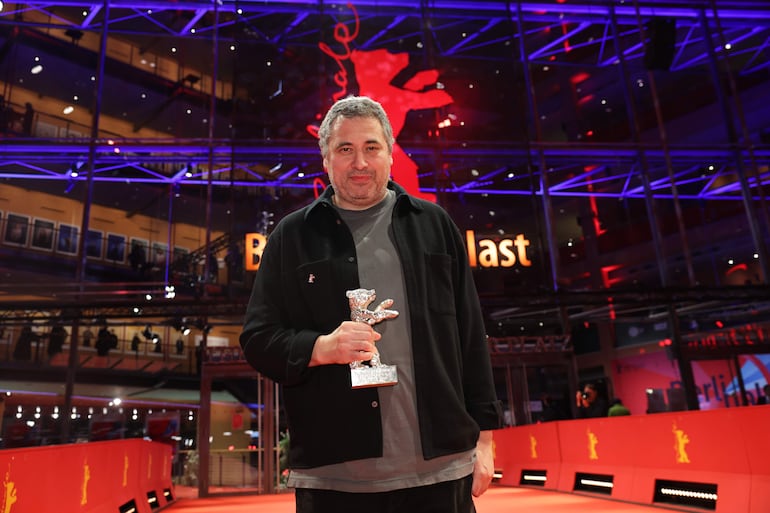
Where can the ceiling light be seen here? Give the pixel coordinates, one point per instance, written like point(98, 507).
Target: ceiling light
point(68, 110)
point(36, 69)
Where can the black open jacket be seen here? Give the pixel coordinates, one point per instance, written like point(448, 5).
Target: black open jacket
point(299, 290)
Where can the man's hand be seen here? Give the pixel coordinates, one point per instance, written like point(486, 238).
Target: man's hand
point(484, 467)
point(351, 341)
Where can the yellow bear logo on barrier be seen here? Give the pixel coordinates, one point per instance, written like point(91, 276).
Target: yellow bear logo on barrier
point(680, 445)
point(9, 492)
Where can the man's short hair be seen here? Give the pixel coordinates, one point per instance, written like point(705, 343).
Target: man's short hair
point(354, 107)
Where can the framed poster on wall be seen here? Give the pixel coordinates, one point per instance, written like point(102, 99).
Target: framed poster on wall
point(42, 234)
point(68, 239)
point(116, 247)
point(16, 230)
point(94, 244)
point(159, 251)
point(138, 253)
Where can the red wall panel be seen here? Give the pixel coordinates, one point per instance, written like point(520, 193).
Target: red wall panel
point(726, 447)
point(94, 477)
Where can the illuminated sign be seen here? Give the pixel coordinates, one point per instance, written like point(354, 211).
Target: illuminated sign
point(504, 253)
point(375, 72)
point(481, 252)
point(255, 245)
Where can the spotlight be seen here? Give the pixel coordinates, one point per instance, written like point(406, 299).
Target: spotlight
point(201, 325)
point(181, 326)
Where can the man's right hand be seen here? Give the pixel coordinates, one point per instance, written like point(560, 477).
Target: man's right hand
point(351, 341)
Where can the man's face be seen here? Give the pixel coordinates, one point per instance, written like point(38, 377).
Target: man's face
point(358, 162)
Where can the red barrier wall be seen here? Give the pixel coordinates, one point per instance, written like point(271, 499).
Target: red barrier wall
point(532, 447)
point(95, 477)
point(727, 447)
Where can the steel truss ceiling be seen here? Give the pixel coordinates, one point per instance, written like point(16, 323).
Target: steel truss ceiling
point(587, 33)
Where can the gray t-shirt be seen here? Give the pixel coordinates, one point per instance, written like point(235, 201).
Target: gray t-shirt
point(402, 464)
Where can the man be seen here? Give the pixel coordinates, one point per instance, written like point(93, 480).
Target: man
point(617, 408)
point(763, 399)
point(589, 403)
point(425, 443)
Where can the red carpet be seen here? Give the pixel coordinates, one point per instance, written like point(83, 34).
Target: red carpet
point(496, 500)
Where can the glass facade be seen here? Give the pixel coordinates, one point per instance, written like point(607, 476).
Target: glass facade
point(607, 163)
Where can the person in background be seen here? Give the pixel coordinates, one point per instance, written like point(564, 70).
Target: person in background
point(23, 349)
point(617, 408)
point(4, 118)
point(423, 444)
point(589, 403)
point(764, 399)
point(56, 339)
point(28, 119)
point(87, 336)
point(550, 409)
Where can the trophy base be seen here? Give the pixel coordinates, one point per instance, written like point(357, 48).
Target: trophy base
point(377, 376)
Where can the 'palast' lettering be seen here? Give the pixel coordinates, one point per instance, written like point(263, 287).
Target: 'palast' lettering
point(481, 253)
point(497, 254)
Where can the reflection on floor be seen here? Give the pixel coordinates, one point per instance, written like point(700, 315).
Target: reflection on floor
point(496, 500)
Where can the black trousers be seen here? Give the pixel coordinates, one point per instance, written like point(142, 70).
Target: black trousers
point(446, 497)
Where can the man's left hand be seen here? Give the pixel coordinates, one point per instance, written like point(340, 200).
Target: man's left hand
point(484, 467)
